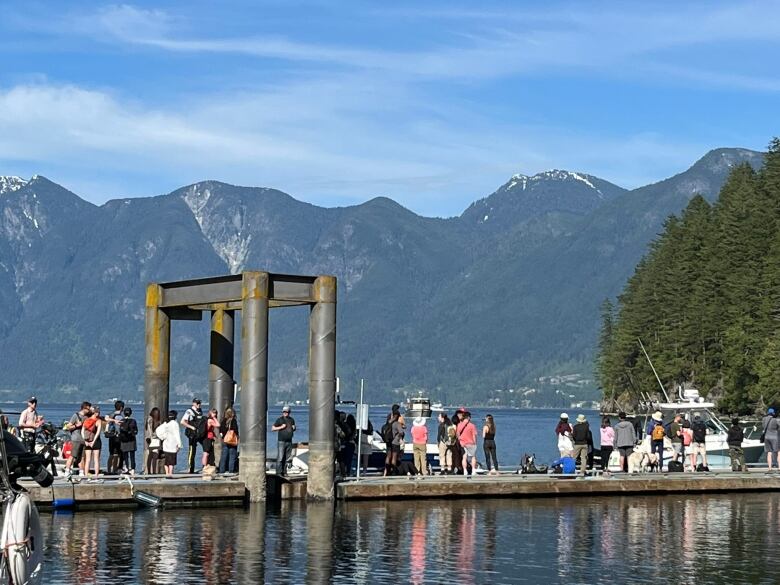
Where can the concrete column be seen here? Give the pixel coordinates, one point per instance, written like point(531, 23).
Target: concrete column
point(157, 367)
point(221, 367)
point(322, 389)
point(254, 382)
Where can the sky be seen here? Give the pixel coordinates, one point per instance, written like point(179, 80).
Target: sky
point(433, 104)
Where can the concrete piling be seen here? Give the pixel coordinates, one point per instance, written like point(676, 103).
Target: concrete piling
point(221, 367)
point(157, 368)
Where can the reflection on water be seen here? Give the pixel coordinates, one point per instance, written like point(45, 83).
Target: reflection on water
point(702, 539)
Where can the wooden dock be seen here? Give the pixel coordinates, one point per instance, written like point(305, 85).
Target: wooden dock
point(527, 486)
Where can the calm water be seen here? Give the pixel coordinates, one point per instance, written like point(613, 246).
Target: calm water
point(702, 539)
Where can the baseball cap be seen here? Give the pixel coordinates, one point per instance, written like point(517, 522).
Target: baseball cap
point(32, 399)
point(285, 408)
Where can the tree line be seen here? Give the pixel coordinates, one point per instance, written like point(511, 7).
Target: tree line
point(705, 301)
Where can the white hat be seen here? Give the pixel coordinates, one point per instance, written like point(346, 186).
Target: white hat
point(419, 422)
point(658, 415)
point(564, 415)
point(580, 418)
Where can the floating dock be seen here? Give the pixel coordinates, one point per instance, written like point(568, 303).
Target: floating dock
point(112, 492)
point(527, 486)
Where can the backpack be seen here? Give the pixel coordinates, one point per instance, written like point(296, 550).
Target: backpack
point(658, 433)
point(126, 430)
point(687, 437)
point(675, 466)
point(387, 433)
point(699, 431)
point(668, 431)
point(452, 435)
point(198, 421)
point(89, 429)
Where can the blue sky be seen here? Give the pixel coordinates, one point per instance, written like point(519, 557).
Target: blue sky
point(432, 104)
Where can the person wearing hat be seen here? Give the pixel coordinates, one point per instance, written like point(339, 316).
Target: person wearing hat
point(563, 432)
point(419, 445)
point(285, 427)
point(193, 423)
point(657, 436)
point(580, 438)
point(771, 434)
point(29, 423)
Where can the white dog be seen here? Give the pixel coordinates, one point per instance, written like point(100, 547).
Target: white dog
point(642, 461)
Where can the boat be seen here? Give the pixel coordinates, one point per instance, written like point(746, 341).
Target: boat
point(418, 406)
point(691, 404)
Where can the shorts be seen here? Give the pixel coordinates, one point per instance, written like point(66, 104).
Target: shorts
point(96, 446)
point(114, 446)
point(625, 451)
point(395, 448)
point(771, 443)
point(471, 450)
point(677, 447)
point(170, 459)
point(208, 445)
point(699, 448)
point(77, 452)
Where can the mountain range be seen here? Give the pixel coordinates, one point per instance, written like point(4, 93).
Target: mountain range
point(463, 308)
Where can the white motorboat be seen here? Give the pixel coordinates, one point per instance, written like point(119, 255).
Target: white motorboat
point(690, 405)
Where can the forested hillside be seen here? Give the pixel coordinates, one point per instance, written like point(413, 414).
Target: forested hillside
point(705, 300)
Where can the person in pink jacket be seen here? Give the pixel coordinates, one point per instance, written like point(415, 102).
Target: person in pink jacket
point(419, 445)
point(467, 435)
point(607, 442)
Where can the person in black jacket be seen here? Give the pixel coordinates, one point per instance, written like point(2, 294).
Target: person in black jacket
point(737, 454)
point(580, 437)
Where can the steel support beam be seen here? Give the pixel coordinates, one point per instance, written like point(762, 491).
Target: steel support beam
point(157, 367)
point(254, 382)
point(322, 389)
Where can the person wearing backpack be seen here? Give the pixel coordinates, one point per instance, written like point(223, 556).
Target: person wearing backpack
point(699, 446)
point(657, 436)
point(113, 423)
point(195, 430)
point(128, 429)
point(580, 438)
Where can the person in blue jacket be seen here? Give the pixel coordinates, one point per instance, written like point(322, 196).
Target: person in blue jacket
point(566, 464)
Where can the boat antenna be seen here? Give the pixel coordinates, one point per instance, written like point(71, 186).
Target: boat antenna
point(652, 367)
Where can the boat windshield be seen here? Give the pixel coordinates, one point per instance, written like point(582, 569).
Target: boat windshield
point(689, 412)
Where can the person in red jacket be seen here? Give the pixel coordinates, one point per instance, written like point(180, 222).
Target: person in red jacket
point(467, 436)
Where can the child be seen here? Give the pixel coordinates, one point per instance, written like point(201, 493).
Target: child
point(170, 436)
point(128, 429)
point(735, 437)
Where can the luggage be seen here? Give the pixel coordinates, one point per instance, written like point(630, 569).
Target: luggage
point(675, 467)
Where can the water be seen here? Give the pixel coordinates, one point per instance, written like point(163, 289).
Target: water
point(673, 539)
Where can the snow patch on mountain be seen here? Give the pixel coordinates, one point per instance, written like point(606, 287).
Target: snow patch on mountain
point(9, 184)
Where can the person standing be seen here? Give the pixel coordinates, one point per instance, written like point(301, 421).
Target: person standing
point(285, 427)
point(736, 453)
point(212, 428)
point(607, 442)
point(194, 425)
point(625, 439)
point(467, 436)
point(563, 431)
point(699, 446)
point(93, 442)
point(676, 436)
point(657, 436)
point(489, 445)
point(399, 435)
point(74, 427)
point(771, 432)
point(113, 422)
point(367, 444)
point(443, 442)
point(153, 443)
point(687, 437)
point(29, 424)
point(128, 430)
point(419, 445)
point(228, 430)
point(170, 436)
point(580, 438)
